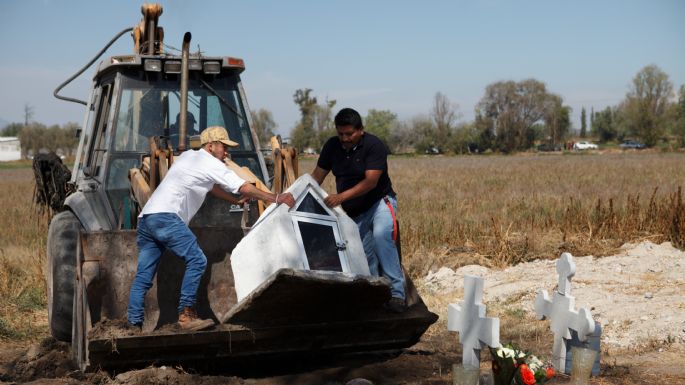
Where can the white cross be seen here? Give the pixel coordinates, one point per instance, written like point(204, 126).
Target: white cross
point(561, 313)
point(468, 318)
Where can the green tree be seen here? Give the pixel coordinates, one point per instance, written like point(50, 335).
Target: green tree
point(486, 131)
point(557, 120)
point(11, 129)
point(402, 138)
point(678, 127)
point(316, 121)
point(464, 139)
point(540, 132)
point(264, 125)
point(323, 122)
point(646, 104)
point(68, 138)
point(380, 123)
point(444, 115)
point(583, 123)
point(36, 137)
point(303, 133)
point(423, 131)
point(52, 138)
point(61, 140)
point(32, 139)
point(512, 108)
point(605, 129)
point(434, 130)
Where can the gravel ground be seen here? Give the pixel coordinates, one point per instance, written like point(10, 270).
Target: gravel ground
point(638, 295)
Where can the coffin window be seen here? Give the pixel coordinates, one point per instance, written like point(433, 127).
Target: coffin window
point(310, 205)
point(320, 246)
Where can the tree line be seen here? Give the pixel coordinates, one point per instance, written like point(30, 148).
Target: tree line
point(649, 112)
point(511, 116)
point(35, 137)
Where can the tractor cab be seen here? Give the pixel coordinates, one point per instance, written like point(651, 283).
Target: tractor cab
point(138, 97)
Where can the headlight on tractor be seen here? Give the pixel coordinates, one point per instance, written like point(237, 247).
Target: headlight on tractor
point(172, 67)
point(153, 65)
point(212, 67)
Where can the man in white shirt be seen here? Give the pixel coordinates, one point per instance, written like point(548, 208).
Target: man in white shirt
point(163, 223)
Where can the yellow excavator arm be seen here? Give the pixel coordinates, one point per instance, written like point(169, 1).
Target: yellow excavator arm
point(147, 33)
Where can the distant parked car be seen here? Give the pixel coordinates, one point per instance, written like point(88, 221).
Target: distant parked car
point(632, 144)
point(549, 147)
point(584, 145)
point(433, 150)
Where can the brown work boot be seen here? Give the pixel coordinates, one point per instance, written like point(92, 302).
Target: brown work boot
point(188, 320)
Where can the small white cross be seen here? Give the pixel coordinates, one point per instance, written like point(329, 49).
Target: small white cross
point(561, 313)
point(566, 268)
point(468, 318)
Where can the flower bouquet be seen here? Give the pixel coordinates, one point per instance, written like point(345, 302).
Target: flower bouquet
point(532, 372)
point(512, 366)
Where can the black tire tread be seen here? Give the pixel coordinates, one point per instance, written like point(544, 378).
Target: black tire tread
point(63, 235)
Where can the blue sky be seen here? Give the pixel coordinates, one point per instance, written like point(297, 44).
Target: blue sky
point(391, 55)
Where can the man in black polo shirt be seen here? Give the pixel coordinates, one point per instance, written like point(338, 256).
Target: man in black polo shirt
point(359, 162)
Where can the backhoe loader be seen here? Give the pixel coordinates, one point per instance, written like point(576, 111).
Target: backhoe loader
point(144, 108)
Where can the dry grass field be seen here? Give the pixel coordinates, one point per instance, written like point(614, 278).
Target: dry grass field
point(23, 313)
point(490, 210)
point(501, 210)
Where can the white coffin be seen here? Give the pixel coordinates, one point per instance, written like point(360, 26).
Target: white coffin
point(309, 236)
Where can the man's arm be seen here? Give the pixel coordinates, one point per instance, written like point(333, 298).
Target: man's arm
point(218, 192)
point(250, 191)
point(365, 185)
point(319, 174)
point(228, 178)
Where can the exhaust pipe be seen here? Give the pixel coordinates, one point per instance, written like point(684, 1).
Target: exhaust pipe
point(182, 123)
point(151, 28)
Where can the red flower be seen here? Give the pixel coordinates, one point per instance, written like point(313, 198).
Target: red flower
point(527, 375)
point(550, 372)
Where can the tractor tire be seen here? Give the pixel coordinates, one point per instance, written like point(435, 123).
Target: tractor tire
point(63, 235)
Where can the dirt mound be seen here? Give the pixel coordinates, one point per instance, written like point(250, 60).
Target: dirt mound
point(47, 359)
point(637, 295)
point(111, 328)
point(117, 328)
point(172, 376)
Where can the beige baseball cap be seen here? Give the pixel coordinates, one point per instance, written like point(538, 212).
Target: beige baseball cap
point(216, 134)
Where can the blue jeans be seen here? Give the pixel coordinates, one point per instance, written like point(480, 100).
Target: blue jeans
point(156, 233)
point(375, 228)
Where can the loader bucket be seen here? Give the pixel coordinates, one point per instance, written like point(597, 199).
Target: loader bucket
point(293, 315)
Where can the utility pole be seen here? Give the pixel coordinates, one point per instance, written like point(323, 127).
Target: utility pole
point(28, 114)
